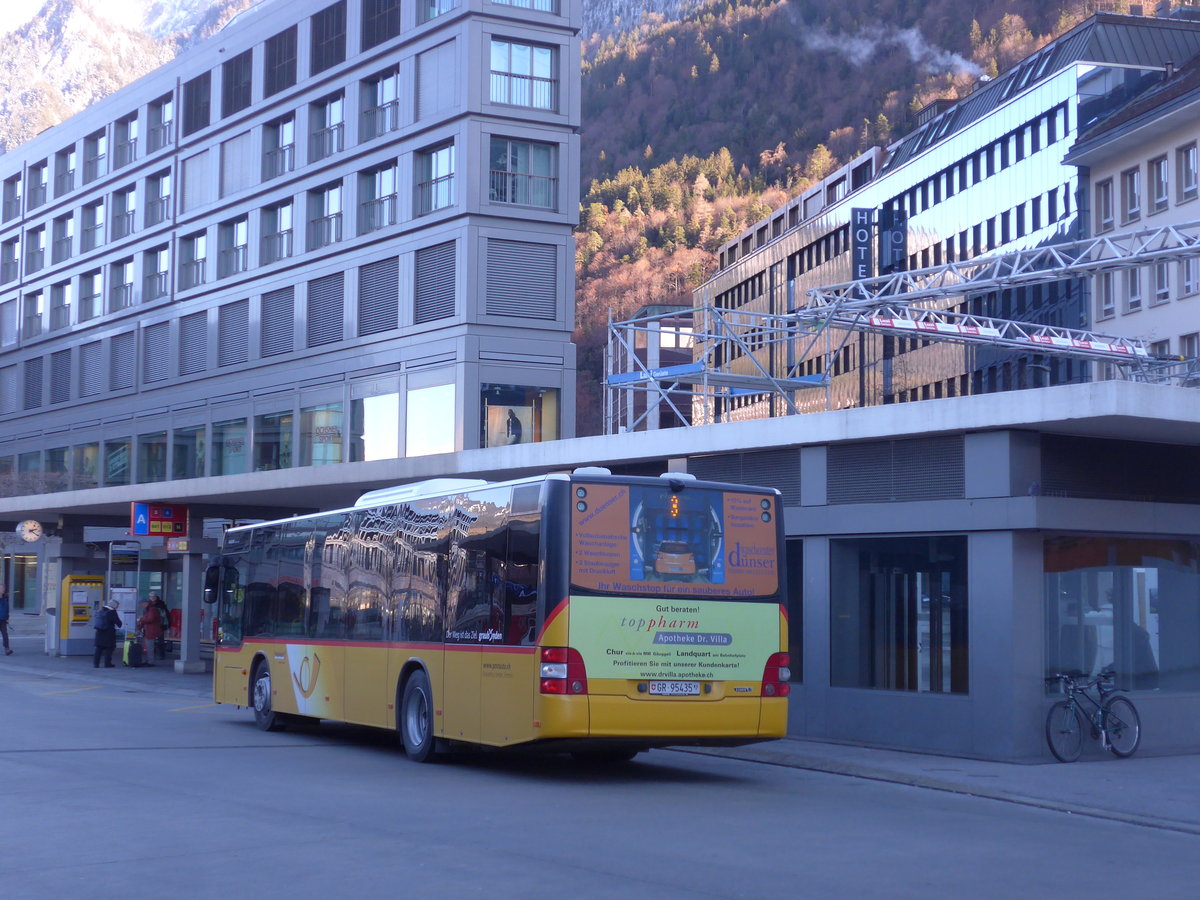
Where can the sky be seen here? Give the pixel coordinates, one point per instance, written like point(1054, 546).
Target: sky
point(15, 13)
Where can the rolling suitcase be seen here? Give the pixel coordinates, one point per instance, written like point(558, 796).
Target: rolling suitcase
point(133, 653)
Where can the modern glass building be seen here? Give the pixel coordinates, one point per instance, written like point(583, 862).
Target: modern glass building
point(333, 233)
point(983, 174)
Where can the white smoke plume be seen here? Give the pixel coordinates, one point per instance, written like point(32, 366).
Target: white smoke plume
point(858, 48)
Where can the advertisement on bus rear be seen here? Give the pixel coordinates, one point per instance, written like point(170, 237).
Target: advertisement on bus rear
point(653, 541)
point(654, 640)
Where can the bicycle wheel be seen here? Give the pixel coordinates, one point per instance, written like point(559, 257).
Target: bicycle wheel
point(1122, 727)
point(1064, 731)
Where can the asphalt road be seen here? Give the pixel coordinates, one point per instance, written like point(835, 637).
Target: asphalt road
point(107, 790)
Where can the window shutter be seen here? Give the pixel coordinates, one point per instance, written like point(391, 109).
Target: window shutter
point(123, 361)
point(522, 279)
point(60, 376)
point(278, 321)
point(378, 296)
point(435, 283)
point(156, 344)
point(233, 333)
point(193, 343)
point(437, 80)
point(33, 383)
point(325, 310)
point(8, 389)
point(91, 362)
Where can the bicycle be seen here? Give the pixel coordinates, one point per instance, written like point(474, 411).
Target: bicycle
point(1113, 717)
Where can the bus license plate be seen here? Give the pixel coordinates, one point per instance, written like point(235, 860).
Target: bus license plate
point(675, 688)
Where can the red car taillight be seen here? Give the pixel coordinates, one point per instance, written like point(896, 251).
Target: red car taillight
point(562, 671)
point(776, 676)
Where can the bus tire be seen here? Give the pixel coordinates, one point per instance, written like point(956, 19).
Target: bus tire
point(265, 716)
point(416, 718)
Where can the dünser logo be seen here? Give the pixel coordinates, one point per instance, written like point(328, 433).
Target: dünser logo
point(749, 556)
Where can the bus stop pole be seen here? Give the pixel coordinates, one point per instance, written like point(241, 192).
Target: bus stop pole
point(193, 592)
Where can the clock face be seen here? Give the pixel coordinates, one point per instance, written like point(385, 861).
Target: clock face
point(30, 529)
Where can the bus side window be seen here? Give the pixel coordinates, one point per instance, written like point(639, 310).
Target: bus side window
point(521, 578)
point(227, 585)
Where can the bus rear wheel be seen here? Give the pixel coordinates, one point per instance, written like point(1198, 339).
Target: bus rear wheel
point(416, 718)
point(265, 716)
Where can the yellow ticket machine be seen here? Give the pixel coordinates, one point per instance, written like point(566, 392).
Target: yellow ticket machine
point(79, 602)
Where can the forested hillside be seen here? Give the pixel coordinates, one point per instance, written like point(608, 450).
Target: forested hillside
point(692, 129)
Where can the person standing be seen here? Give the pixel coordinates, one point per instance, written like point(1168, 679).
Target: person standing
point(107, 623)
point(164, 619)
point(150, 623)
point(4, 618)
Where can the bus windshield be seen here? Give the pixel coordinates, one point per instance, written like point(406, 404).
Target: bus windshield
point(677, 540)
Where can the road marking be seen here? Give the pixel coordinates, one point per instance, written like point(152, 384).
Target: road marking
point(92, 687)
point(186, 708)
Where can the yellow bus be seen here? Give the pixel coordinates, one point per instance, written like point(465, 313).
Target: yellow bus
point(595, 614)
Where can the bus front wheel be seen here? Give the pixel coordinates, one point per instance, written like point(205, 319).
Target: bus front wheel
point(265, 716)
point(416, 718)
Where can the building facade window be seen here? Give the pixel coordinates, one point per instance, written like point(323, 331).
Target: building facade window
point(377, 198)
point(95, 155)
point(321, 435)
point(120, 285)
point(236, 87)
point(93, 225)
point(187, 452)
point(10, 260)
point(1162, 282)
point(380, 22)
point(1185, 172)
point(550, 6)
point(161, 120)
point(33, 317)
point(233, 238)
point(1131, 195)
point(273, 441)
point(125, 141)
point(91, 295)
point(124, 217)
point(279, 147)
point(64, 170)
point(156, 280)
point(427, 10)
point(158, 198)
point(1105, 306)
point(523, 75)
point(1125, 603)
point(327, 118)
point(427, 428)
point(1159, 187)
point(35, 250)
point(328, 37)
point(229, 447)
point(899, 614)
point(380, 104)
point(1133, 289)
point(435, 178)
point(276, 232)
point(38, 180)
point(324, 216)
point(62, 238)
point(1189, 276)
point(62, 297)
point(279, 62)
point(197, 99)
point(514, 414)
point(375, 427)
point(523, 172)
point(193, 255)
point(152, 457)
point(12, 198)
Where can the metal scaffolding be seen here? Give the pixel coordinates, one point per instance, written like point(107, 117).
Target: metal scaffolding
point(914, 304)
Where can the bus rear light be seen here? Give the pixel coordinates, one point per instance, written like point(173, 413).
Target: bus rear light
point(562, 671)
point(776, 676)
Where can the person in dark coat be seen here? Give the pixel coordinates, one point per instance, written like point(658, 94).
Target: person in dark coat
point(4, 619)
point(107, 624)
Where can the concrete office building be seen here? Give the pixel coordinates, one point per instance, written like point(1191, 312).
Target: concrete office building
point(332, 233)
point(988, 173)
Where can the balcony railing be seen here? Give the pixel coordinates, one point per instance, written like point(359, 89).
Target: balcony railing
point(64, 182)
point(231, 261)
point(89, 306)
point(60, 317)
point(376, 214)
point(157, 210)
point(154, 286)
point(37, 195)
point(31, 327)
point(524, 90)
point(279, 161)
point(324, 231)
point(124, 153)
point(12, 208)
point(377, 120)
point(276, 246)
point(92, 236)
point(93, 168)
point(122, 224)
point(120, 296)
point(9, 270)
point(325, 142)
point(191, 274)
point(158, 136)
point(435, 194)
point(524, 190)
point(35, 259)
point(60, 251)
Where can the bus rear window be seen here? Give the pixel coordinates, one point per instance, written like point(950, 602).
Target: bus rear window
point(651, 540)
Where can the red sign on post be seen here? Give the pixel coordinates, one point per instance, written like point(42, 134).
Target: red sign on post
point(158, 520)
